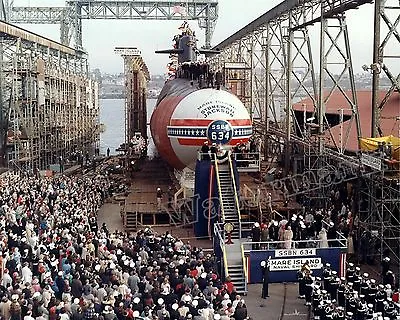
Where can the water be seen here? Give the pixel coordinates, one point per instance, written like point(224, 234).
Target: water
point(112, 115)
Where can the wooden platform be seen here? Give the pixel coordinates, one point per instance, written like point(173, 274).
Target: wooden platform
point(278, 204)
point(142, 198)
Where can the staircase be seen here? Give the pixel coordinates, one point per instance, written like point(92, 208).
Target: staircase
point(235, 266)
point(131, 220)
point(237, 276)
point(233, 251)
point(227, 198)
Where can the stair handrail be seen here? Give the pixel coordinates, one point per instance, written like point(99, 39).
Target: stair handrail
point(136, 217)
point(221, 202)
point(235, 194)
point(225, 260)
point(277, 213)
point(218, 231)
point(244, 267)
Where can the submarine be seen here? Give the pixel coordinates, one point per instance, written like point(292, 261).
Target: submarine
point(193, 107)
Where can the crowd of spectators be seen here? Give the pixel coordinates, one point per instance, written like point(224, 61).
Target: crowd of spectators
point(319, 226)
point(57, 263)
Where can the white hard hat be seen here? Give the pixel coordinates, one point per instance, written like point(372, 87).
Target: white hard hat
point(136, 314)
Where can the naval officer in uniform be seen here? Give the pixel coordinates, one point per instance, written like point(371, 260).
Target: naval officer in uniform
point(265, 266)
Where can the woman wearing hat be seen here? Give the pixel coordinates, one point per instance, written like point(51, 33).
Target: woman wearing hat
point(287, 237)
point(15, 308)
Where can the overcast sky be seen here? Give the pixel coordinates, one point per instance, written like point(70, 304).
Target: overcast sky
point(101, 36)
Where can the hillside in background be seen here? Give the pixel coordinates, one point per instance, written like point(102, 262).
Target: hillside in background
point(111, 86)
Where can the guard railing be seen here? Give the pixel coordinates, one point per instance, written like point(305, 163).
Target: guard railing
point(300, 244)
point(244, 268)
point(220, 233)
point(247, 161)
point(219, 189)
point(235, 195)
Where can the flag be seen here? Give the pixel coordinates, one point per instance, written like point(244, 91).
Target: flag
point(179, 9)
point(184, 26)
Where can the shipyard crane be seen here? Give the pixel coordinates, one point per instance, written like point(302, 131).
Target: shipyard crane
point(71, 15)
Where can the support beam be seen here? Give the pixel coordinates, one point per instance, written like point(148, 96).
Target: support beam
point(204, 11)
point(4, 10)
point(329, 9)
point(386, 57)
point(376, 71)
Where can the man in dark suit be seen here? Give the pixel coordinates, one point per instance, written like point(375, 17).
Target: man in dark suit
point(265, 266)
point(205, 149)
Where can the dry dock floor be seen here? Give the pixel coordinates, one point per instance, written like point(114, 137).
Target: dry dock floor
point(282, 304)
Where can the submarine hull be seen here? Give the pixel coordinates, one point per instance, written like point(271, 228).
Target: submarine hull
point(185, 117)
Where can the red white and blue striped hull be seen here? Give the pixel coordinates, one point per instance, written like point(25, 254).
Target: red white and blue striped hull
point(185, 118)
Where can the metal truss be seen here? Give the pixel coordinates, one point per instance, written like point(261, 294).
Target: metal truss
point(386, 56)
point(284, 73)
point(70, 17)
point(335, 51)
point(379, 212)
point(3, 10)
point(48, 107)
point(278, 51)
point(380, 205)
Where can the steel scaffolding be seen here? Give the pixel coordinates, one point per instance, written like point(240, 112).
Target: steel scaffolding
point(379, 213)
point(385, 57)
point(284, 71)
point(136, 78)
point(70, 17)
point(276, 47)
point(49, 106)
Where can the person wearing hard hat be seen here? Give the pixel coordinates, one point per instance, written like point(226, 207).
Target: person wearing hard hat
point(256, 236)
point(385, 265)
point(213, 151)
point(159, 199)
